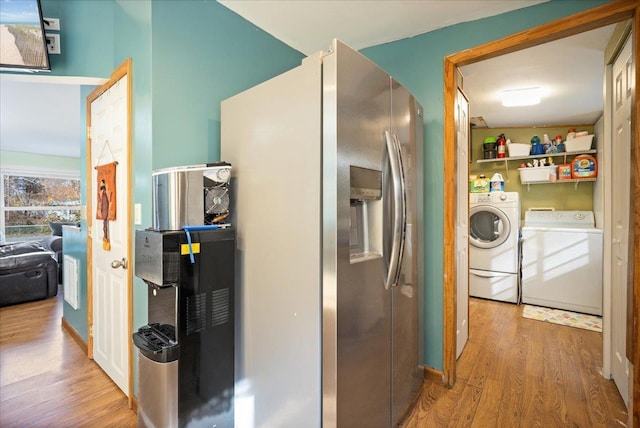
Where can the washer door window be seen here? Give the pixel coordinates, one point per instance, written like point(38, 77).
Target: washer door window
point(489, 227)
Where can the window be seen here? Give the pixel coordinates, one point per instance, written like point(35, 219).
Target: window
point(32, 199)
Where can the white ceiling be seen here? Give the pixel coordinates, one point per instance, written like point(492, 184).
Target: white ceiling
point(40, 117)
point(569, 71)
point(45, 118)
point(310, 25)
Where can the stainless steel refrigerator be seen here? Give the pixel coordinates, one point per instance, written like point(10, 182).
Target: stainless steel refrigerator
point(327, 186)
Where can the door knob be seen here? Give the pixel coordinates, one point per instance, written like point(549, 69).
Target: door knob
point(120, 263)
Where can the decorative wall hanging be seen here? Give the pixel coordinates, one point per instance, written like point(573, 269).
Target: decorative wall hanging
point(106, 199)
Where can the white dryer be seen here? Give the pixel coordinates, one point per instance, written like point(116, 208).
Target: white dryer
point(494, 233)
point(562, 261)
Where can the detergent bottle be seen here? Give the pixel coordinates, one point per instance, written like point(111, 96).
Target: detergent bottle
point(496, 184)
point(536, 147)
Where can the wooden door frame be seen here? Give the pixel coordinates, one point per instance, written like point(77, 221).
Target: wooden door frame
point(610, 13)
point(123, 70)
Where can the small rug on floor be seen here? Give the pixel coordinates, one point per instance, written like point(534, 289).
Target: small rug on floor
point(559, 316)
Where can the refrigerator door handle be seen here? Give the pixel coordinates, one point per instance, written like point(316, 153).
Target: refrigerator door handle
point(403, 221)
point(398, 208)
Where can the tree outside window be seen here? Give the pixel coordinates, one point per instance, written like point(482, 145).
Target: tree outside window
point(30, 203)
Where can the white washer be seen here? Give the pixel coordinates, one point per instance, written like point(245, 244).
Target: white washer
point(562, 261)
point(494, 230)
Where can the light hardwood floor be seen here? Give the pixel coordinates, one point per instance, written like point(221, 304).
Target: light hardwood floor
point(46, 379)
point(514, 372)
point(517, 372)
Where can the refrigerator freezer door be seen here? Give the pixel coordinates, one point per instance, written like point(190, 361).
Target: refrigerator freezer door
point(356, 306)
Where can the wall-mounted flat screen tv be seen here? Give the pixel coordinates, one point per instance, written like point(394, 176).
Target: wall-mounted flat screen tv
point(23, 44)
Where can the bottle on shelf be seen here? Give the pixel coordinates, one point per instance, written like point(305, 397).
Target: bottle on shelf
point(502, 146)
point(536, 147)
point(496, 184)
point(560, 144)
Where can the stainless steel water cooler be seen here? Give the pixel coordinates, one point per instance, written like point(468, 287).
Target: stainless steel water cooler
point(186, 351)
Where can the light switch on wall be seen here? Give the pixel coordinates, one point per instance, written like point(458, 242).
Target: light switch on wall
point(51, 24)
point(137, 213)
point(53, 43)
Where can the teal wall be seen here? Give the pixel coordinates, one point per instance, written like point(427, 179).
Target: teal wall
point(220, 55)
point(32, 160)
point(75, 241)
point(418, 64)
point(75, 245)
point(86, 37)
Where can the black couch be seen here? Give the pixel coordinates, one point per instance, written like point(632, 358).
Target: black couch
point(28, 271)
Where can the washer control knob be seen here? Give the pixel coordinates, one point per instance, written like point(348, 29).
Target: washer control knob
point(503, 197)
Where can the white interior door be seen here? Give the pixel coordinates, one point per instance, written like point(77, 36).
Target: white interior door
point(462, 222)
point(623, 78)
point(109, 121)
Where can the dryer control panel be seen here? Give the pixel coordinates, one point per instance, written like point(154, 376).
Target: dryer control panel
point(493, 197)
point(581, 219)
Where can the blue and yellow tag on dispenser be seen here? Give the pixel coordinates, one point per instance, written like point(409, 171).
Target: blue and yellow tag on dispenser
point(195, 249)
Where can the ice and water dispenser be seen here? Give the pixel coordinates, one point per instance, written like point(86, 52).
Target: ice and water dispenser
point(186, 351)
point(365, 235)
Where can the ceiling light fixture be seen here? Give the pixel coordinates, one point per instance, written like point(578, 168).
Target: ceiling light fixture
point(521, 97)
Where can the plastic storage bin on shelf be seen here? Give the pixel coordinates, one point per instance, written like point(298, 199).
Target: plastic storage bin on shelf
point(579, 144)
point(537, 174)
point(519, 150)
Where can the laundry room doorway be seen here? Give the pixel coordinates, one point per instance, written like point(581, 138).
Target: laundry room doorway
point(595, 18)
